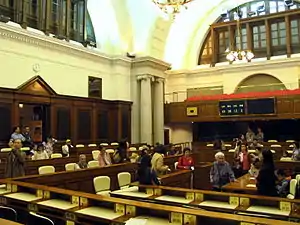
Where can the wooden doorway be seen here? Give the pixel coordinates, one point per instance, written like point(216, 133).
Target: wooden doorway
point(166, 136)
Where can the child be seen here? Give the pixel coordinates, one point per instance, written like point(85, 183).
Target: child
point(283, 185)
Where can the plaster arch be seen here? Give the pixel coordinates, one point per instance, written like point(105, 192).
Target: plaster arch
point(259, 82)
point(189, 30)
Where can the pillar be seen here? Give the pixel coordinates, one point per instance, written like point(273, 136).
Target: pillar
point(158, 111)
point(146, 109)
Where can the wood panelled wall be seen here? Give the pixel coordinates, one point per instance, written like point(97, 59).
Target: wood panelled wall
point(83, 120)
point(287, 107)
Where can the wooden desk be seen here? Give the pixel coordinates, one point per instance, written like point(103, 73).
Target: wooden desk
point(244, 184)
point(8, 222)
point(84, 208)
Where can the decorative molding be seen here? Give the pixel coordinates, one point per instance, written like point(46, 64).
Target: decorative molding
point(159, 79)
point(261, 65)
point(147, 61)
point(145, 77)
point(40, 40)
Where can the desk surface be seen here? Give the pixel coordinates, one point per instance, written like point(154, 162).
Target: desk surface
point(7, 222)
point(245, 184)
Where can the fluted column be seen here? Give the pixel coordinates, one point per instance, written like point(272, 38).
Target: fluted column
point(158, 111)
point(146, 109)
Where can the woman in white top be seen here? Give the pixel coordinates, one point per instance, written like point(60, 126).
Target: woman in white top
point(40, 153)
point(66, 148)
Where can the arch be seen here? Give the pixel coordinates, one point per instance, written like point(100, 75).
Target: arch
point(260, 82)
point(105, 26)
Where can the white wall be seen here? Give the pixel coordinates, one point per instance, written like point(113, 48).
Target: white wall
point(180, 133)
point(230, 76)
point(65, 67)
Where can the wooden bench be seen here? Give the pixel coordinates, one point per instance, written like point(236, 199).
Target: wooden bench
point(83, 208)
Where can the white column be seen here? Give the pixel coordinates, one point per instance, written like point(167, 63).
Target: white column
point(158, 112)
point(146, 109)
point(135, 110)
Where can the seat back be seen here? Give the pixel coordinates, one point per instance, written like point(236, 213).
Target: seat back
point(104, 144)
point(46, 169)
point(290, 141)
point(285, 159)
point(114, 144)
point(92, 145)
point(56, 155)
point(175, 165)
point(79, 146)
point(25, 149)
point(272, 141)
point(110, 151)
point(102, 183)
point(8, 213)
point(5, 149)
point(275, 146)
point(124, 180)
point(70, 166)
point(95, 154)
point(93, 164)
point(34, 218)
point(293, 189)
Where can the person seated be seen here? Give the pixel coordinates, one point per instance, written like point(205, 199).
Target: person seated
point(104, 157)
point(254, 169)
point(221, 172)
point(296, 152)
point(66, 148)
point(133, 156)
point(186, 161)
point(283, 184)
point(219, 145)
point(144, 152)
point(172, 150)
point(17, 134)
point(157, 161)
point(250, 135)
point(121, 153)
point(82, 164)
point(49, 145)
point(244, 159)
point(146, 175)
point(40, 152)
point(260, 135)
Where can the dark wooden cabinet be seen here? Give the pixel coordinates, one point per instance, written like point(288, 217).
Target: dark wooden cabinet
point(84, 120)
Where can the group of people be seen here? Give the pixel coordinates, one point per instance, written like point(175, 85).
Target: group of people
point(259, 165)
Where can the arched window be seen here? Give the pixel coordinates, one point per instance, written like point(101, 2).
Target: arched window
point(268, 28)
point(66, 19)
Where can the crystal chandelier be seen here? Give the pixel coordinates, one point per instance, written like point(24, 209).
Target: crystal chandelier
point(172, 7)
point(239, 54)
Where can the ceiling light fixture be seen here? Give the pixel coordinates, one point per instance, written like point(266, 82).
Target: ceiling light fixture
point(172, 7)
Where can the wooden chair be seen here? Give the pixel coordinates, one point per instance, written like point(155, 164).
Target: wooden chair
point(8, 213)
point(102, 185)
point(93, 164)
point(46, 169)
point(34, 218)
point(70, 166)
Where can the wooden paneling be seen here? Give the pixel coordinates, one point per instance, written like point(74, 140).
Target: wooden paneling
point(208, 111)
point(84, 120)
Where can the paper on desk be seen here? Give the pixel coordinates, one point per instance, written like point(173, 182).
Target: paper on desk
point(136, 221)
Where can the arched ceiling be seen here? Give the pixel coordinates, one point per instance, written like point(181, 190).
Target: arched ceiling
point(138, 26)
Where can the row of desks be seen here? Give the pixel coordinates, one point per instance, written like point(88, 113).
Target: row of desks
point(83, 208)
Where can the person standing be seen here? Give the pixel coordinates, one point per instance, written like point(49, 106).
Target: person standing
point(221, 172)
point(157, 161)
point(260, 135)
point(15, 161)
point(266, 179)
point(28, 140)
point(250, 135)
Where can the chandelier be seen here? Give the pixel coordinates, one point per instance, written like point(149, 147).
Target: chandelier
point(172, 7)
point(239, 54)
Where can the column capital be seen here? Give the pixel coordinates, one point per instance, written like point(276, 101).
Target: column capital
point(160, 79)
point(145, 77)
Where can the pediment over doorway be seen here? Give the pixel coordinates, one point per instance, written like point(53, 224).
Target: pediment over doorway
point(36, 85)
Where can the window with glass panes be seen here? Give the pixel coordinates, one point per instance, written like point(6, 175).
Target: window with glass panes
point(206, 51)
point(253, 30)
